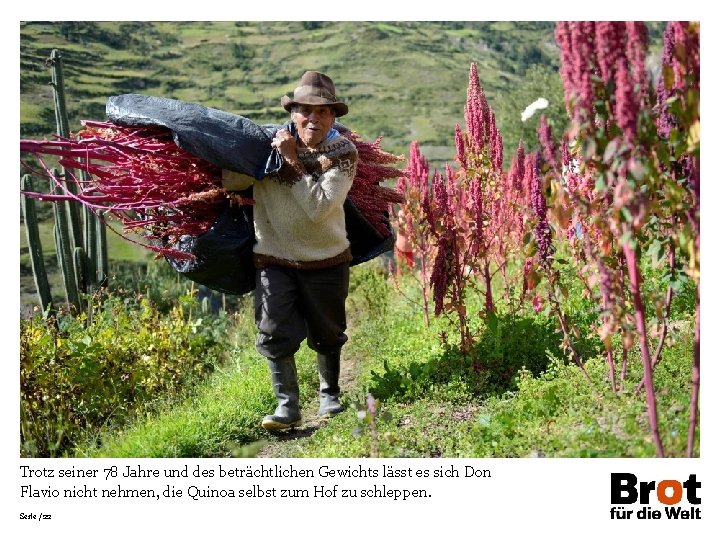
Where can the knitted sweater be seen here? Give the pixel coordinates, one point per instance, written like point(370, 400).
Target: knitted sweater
point(299, 219)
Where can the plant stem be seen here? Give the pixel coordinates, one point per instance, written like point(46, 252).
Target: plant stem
point(663, 332)
point(635, 279)
point(425, 284)
point(568, 339)
point(623, 371)
point(611, 369)
point(695, 222)
point(489, 305)
point(695, 378)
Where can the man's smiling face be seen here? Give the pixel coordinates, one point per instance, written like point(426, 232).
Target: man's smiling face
point(313, 123)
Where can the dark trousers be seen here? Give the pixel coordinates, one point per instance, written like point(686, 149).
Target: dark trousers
point(292, 304)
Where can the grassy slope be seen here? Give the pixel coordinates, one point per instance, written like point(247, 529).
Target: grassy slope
point(403, 81)
point(436, 408)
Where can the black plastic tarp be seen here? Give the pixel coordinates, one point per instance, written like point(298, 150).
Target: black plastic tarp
point(224, 139)
point(223, 254)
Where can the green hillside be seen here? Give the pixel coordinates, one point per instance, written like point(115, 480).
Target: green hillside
point(402, 80)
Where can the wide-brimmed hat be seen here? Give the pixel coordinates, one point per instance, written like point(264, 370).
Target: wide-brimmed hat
point(315, 88)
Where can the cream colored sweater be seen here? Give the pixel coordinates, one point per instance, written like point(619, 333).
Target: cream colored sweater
point(299, 219)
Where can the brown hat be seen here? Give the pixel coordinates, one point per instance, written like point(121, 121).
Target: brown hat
point(315, 88)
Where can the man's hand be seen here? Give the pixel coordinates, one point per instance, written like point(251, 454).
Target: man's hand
point(285, 143)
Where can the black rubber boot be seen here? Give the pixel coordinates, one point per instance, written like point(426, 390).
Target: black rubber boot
point(329, 369)
point(287, 392)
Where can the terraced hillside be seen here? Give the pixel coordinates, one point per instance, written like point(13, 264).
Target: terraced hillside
point(403, 80)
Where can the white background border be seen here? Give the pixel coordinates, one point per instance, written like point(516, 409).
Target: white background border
point(558, 498)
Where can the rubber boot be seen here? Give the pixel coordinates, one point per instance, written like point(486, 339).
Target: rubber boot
point(329, 369)
point(287, 392)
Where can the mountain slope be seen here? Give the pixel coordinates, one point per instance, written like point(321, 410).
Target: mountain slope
point(402, 80)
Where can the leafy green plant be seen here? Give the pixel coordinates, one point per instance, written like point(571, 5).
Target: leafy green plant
point(506, 346)
point(557, 414)
point(76, 378)
point(369, 289)
point(510, 344)
point(410, 381)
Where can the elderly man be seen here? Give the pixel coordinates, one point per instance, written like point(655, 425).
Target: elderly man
point(302, 253)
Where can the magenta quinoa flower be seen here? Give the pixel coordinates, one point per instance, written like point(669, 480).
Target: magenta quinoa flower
point(546, 141)
point(563, 38)
point(539, 206)
point(474, 111)
point(609, 46)
point(626, 100)
point(583, 48)
point(636, 52)
point(460, 147)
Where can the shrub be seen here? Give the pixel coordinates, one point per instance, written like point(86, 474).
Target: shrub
point(76, 377)
point(511, 343)
point(369, 289)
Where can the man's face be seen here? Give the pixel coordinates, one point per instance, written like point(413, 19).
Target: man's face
point(313, 123)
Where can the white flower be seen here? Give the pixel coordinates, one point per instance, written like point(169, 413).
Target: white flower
point(539, 103)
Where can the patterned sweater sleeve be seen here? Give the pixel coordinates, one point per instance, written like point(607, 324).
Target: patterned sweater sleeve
point(323, 196)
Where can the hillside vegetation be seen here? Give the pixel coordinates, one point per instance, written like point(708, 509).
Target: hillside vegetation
point(402, 80)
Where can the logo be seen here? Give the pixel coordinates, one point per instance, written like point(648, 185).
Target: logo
point(681, 499)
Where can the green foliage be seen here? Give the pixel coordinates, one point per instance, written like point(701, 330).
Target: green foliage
point(560, 415)
point(683, 304)
point(76, 377)
point(513, 344)
point(540, 80)
point(369, 289)
point(658, 277)
point(556, 414)
point(455, 373)
point(381, 68)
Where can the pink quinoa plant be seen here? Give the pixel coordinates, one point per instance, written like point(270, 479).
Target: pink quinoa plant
point(618, 184)
point(140, 177)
